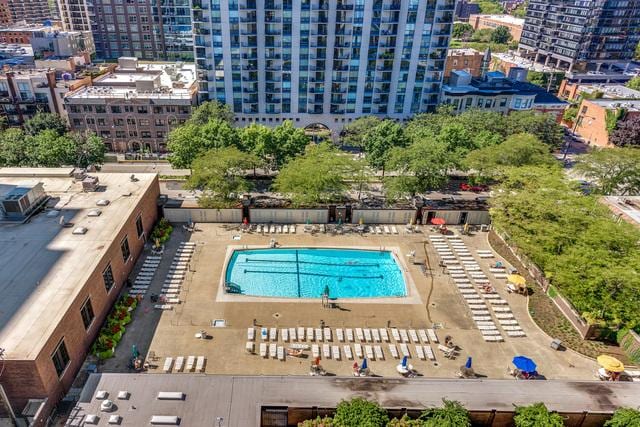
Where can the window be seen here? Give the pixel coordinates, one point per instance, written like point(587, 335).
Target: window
point(107, 275)
point(60, 358)
point(87, 313)
point(124, 246)
point(139, 227)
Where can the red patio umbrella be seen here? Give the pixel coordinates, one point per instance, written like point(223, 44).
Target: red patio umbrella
point(438, 221)
point(245, 221)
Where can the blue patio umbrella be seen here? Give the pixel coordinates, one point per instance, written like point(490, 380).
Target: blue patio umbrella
point(405, 360)
point(364, 364)
point(468, 364)
point(524, 364)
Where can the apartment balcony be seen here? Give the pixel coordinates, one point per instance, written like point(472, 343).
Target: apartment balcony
point(249, 4)
point(320, 5)
point(393, 6)
point(272, 5)
point(252, 109)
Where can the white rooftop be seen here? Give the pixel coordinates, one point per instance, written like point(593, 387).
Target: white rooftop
point(463, 51)
point(43, 265)
point(610, 104)
point(507, 19)
point(611, 90)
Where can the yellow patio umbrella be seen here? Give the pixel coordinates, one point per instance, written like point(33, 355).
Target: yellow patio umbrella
point(361, 221)
point(610, 363)
point(516, 279)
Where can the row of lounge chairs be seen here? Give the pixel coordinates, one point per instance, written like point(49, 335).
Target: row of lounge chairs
point(179, 365)
point(369, 335)
point(145, 275)
point(169, 294)
point(276, 229)
point(340, 352)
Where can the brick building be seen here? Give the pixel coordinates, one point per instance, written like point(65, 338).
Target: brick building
point(572, 91)
point(480, 22)
point(469, 60)
point(134, 107)
point(591, 122)
point(58, 284)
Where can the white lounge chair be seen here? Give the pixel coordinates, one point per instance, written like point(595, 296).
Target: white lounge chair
point(280, 352)
point(315, 351)
point(200, 364)
point(318, 332)
point(284, 333)
point(386, 230)
point(367, 335)
point(432, 336)
point(300, 333)
point(191, 360)
point(327, 334)
point(359, 334)
point(429, 353)
point(263, 349)
point(423, 336)
point(310, 335)
point(376, 335)
point(335, 352)
point(349, 333)
point(264, 334)
point(285, 229)
point(340, 334)
point(414, 336)
point(347, 352)
point(395, 334)
point(273, 350)
point(420, 352)
point(273, 334)
point(358, 350)
point(249, 347)
point(292, 334)
point(384, 335)
point(167, 364)
point(403, 335)
point(368, 350)
point(394, 351)
point(404, 349)
point(394, 230)
point(378, 352)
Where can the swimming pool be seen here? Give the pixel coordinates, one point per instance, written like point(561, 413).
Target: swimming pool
point(307, 272)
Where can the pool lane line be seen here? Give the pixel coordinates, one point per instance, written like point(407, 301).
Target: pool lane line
point(298, 272)
point(344, 264)
point(302, 273)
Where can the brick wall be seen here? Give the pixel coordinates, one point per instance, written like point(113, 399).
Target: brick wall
point(43, 381)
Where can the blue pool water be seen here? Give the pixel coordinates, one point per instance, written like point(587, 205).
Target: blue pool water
point(305, 272)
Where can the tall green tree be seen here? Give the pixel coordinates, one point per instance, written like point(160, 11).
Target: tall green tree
point(220, 174)
point(321, 175)
point(361, 413)
point(355, 132)
point(613, 171)
point(624, 417)
point(89, 149)
point(211, 110)
point(501, 35)
point(626, 133)
point(537, 415)
point(52, 149)
point(421, 166)
point(45, 121)
point(287, 143)
point(14, 148)
point(542, 125)
point(451, 414)
point(634, 83)
point(379, 142)
point(461, 30)
point(517, 150)
point(190, 140)
point(258, 140)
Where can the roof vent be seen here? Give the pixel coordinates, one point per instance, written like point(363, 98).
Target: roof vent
point(102, 202)
point(80, 230)
point(102, 394)
point(91, 419)
point(94, 212)
point(126, 194)
point(115, 419)
point(123, 395)
point(171, 395)
point(90, 183)
point(106, 405)
point(165, 420)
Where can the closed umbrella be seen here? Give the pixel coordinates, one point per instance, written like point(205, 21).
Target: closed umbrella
point(405, 360)
point(468, 364)
point(524, 364)
point(134, 351)
point(364, 364)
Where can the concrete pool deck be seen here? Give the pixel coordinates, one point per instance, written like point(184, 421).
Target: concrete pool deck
point(439, 302)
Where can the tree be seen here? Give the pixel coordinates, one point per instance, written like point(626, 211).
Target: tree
point(322, 174)
point(211, 110)
point(220, 174)
point(517, 150)
point(14, 148)
point(542, 125)
point(490, 7)
point(51, 149)
point(89, 149)
point(287, 143)
point(379, 142)
point(483, 35)
point(258, 140)
point(570, 114)
point(624, 417)
point(501, 35)
point(613, 171)
point(361, 413)
point(536, 415)
point(634, 83)
point(45, 121)
point(353, 134)
point(190, 140)
point(461, 30)
point(520, 11)
point(451, 414)
point(626, 133)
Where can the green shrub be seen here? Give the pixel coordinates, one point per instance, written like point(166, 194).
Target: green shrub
point(624, 417)
point(318, 422)
point(536, 415)
point(451, 414)
point(162, 231)
point(358, 412)
point(405, 421)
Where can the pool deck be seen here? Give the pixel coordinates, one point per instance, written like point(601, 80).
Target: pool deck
point(438, 302)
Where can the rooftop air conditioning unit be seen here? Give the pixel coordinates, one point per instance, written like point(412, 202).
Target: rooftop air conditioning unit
point(19, 202)
point(90, 184)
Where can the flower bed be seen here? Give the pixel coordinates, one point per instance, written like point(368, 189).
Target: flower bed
point(111, 333)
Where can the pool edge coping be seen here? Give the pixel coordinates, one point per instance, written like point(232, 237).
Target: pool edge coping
point(412, 297)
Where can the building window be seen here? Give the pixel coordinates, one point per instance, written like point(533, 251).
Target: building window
point(60, 358)
point(124, 246)
point(87, 313)
point(139, 227)
point(107, 275)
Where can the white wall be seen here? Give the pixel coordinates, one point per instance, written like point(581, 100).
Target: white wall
point(289, 216)
point(203, 215)
point(383, 216)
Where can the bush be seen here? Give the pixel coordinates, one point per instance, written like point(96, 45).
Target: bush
point(360, 413)
point(624, 417)
point(318, 422)
point(162, 231)
point(451, 414)
point(536, 415)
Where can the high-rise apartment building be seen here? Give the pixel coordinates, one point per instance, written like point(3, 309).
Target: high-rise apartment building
point(581, 34)
point(30, 11)
point(321, 61)
point(147, 29)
